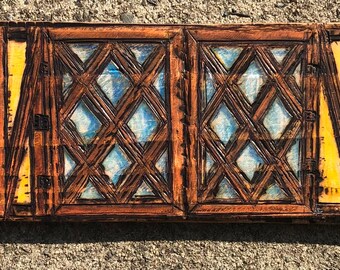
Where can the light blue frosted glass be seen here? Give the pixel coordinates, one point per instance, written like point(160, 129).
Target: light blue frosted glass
point(116, 163)
point(162, 165)
point(143, 123)
point(226, 190)
point(279, 53)
point(69, 164)
point(142, 51)
point(209, 85)
point(274, 193)
point(297, 74)
point(209, 163)
point(83, 50)
point(293, 158)
point(252, 80)
point(227, 55)
point(249, 161)
point(113, 83)
point(223, 123)
point(159, 83)
point(85, 121)
point(144, 190)
point(67, 81)
point(277, 119)
point(91, 193)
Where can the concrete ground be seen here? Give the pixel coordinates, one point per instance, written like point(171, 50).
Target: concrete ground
point(169, 246)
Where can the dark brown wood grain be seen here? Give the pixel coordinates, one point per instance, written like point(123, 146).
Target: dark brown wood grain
point(249, 119)
point(184, 130)
point(166, 54)
point(3, 122)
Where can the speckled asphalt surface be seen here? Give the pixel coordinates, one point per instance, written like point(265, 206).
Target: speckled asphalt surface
point(159, 245)
point(168, 246)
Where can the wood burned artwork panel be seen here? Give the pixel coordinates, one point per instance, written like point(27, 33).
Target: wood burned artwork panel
point(23, 59)
point(113, 109)
point(329, 160)
point(16, 65)
point(251, 101)
point(197, 123)
point(84, 124)
point(3, 139)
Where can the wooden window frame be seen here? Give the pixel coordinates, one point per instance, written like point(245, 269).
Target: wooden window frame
point(251, 34)
point(184, 50)
point(173, 36)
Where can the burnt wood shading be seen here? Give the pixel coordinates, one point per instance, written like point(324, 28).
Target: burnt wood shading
point(249, 98)
point(181, 123)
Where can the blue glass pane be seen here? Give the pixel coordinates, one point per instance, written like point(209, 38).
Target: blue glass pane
point(209, 163)
point(293, 158)
point(159, 83)
point(67, 81)
point(279, 53)
point(143, 123)
point(249, 161)
point(142, 51)
point(209, 85)
point(277, 119)
point(83, 50)
point(297, 74)
point(113, 83)
point(226, 190)
point(144, 190)
point(91, 193)
point(69, 164)
point(274, 193)
point(85, 121)
point(162, 165)
point(116, 163)
point(252, 80)
point(227, 55)
point(223, 123)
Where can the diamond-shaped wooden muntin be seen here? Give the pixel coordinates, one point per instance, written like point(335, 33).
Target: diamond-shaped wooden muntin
point(169, 122)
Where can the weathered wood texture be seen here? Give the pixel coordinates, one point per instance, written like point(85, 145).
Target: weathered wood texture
point(249, 118)
point(73, 172)
point(170, 195)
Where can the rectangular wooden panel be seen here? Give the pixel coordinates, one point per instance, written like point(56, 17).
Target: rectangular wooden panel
point(112, 100)
point(248, 105)
point(146, 122)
